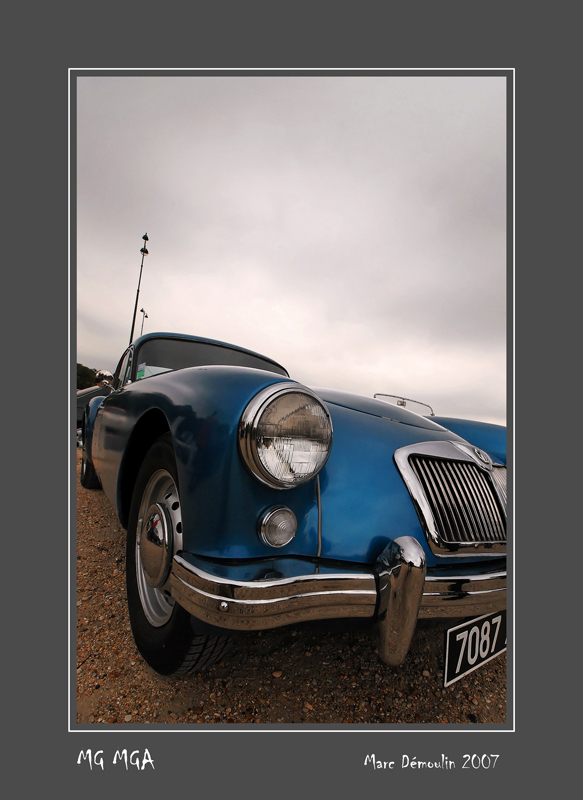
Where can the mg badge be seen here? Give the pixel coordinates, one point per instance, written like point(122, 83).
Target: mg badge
point(484, 457)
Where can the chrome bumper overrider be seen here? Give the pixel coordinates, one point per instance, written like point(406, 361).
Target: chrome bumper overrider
point(396, 592)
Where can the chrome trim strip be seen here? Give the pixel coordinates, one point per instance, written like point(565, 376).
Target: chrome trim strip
point(463, 595)
point(267, 601)
point(319, 502)
point(256, 605)
point(487, 576)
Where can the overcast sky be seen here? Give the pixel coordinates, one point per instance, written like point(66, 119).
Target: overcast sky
point(351, 228)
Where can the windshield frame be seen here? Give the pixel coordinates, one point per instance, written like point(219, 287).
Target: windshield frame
point(205, 347)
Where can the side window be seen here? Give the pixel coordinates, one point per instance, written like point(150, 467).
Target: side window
point(128, 371)
point(123, 371)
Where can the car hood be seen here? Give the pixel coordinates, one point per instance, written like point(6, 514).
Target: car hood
point(377, 408)
point(486, 435)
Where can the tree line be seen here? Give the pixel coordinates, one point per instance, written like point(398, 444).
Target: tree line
point(85, 377)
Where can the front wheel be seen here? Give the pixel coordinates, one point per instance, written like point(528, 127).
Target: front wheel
point(161, 628)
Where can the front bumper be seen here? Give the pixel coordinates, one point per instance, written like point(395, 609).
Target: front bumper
point(397, 592)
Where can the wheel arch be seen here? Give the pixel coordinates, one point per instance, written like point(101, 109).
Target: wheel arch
point(149, 427)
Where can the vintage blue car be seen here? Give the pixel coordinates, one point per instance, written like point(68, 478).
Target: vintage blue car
point(252, 501)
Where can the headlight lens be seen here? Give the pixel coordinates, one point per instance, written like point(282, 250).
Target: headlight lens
point(285, 435)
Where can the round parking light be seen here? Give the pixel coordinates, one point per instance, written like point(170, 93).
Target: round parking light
point(278, 526)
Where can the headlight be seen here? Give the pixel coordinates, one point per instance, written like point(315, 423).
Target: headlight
point(285, 435)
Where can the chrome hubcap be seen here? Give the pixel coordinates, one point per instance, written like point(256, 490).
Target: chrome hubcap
point(156, 546)
point(159, 536)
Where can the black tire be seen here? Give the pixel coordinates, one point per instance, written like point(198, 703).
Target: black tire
point(88, 477)
point(161, 628)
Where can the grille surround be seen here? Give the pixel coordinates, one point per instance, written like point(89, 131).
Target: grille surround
point(459, 498)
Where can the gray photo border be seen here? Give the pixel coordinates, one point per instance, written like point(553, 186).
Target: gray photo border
point(265, 738)
point(43, 749)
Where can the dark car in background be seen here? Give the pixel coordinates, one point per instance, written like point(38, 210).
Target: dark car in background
point(102, 389)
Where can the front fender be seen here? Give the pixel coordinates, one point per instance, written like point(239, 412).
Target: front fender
point(221, 501)
point(88, 426)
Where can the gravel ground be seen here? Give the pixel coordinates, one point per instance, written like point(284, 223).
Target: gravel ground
point(289, 675)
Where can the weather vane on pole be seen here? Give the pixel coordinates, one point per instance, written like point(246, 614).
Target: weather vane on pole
point(144, 253)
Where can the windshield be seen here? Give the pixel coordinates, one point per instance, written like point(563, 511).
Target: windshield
point(164, 355)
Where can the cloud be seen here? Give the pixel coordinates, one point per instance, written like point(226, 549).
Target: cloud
point(351, 228)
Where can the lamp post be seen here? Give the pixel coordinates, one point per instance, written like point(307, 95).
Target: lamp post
point(144, 316)
point(144, 253)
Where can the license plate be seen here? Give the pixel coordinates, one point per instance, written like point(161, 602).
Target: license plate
point(473, 643)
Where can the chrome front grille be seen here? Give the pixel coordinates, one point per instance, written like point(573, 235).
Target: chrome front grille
point(499, 475)
point(462, 501)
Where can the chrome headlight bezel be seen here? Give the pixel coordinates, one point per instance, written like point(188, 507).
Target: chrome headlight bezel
point(249, 431)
